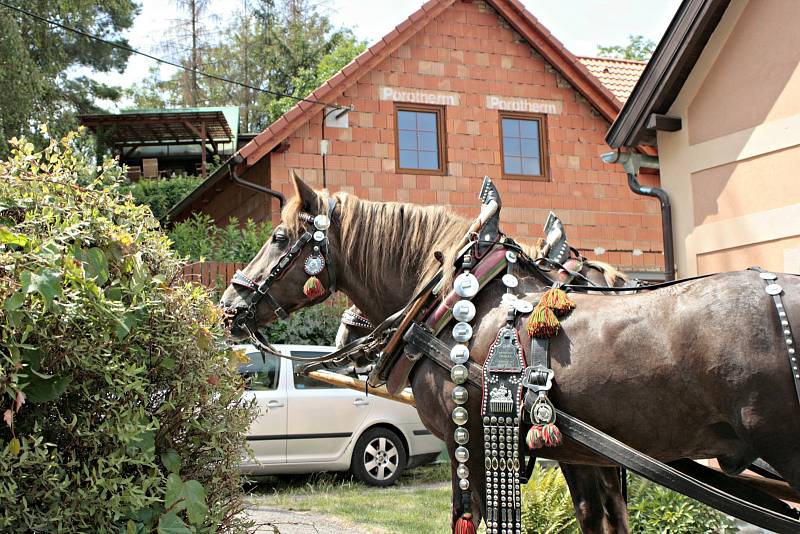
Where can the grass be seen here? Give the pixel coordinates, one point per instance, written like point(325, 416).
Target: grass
point(418, 502)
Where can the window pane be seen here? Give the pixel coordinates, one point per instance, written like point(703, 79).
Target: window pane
point(302, 381)
point(261, 374)
point(529, 129)
point(406, 120)
point(531, 166)
point(513, 165)
point(510, 128)
point(428, 160)
point(511, 146)
point(530, 148)
point(427, 141)
point(408, 139)
point(408, 159)
point(426, 121)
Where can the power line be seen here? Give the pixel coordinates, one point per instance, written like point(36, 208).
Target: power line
point(161, 60)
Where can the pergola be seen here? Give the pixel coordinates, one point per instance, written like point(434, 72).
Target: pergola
point(128, 131)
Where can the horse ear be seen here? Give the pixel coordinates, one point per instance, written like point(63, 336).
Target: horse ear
point(308, 197)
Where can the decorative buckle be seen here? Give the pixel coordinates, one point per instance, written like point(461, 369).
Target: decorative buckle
point(538, 378)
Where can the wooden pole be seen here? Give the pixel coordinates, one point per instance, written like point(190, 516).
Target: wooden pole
point(357, 384)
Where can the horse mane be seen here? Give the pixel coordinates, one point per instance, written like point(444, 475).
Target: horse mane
point(377, 237)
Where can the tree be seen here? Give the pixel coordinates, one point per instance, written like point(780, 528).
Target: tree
point(43, 69)
point(285, 46)
point(638, 48)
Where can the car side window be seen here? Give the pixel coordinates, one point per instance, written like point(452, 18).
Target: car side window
point(302, 381)
point(261, 373)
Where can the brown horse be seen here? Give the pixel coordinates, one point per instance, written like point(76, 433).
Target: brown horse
point(596, 492)
point(696, 370)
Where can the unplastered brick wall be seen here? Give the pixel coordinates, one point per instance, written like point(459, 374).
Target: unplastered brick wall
point(470, 51)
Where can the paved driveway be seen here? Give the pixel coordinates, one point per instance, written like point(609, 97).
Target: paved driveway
point(278, 521)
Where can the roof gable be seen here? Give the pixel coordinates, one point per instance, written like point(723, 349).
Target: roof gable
point(512, 11)
point(618, 75)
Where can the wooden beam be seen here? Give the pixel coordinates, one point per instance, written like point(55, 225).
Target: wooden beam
point(335, 379)
point(663, 123)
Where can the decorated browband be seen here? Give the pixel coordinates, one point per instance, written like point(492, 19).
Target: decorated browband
point(315, 263)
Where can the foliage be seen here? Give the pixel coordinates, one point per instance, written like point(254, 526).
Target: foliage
point(161, 195)
point(638, 48)
point(654, 508)
point(42, 67)
point(316, 325)
point(285, 46)
point(121, 406)
point(546, 504)
point(198, 238)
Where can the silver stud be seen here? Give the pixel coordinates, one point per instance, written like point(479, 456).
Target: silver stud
point(459, 354)
point(463, 484)
point(460, 416)
point(459, 394)
point(466, 285)
point(464, 310)
point(789, 341)
point(784, 323)
point(321, 222)
point(791, 351)
point(767, 276)
point(459, 374)
point(787, 332)
point(511, 256)
point(461, 454)
point(509, 280)
point(779, 305)
point(461, 436)
point(462, 471)
point(773, 289)
point(462, 332)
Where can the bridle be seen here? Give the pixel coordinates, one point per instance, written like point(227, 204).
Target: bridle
point(316, 234)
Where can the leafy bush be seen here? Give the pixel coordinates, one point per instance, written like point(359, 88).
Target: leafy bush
point(316, 325)
point(121, 407)
point(546, 504)
point(161, 195)
point(199, 238)
point(654, 508)
point(547, 508)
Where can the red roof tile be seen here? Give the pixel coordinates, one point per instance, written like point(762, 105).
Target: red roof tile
point(618, 75)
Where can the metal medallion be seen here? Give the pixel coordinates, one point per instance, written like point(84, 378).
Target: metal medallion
point(511, 256)
point(463, 484)
point(466, 285)
point(773, 289)
point(459, 374)
point(509, 280)
point(321, 222)
point(462, 332)
point(462, 471)
point(767, 276)
point(523, 306)
point(464, 310)
point(460, 394)
point(319, 235)
point(508, 298)
point(314, 264)
point(461, 436)
point(462, 454)
point(459, 354)
point(460, 416)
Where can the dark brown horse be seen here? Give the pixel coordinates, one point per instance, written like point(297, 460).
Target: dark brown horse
point(696, 370)
point(596, 492)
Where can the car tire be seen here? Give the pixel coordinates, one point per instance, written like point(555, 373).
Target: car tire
point(379, 457)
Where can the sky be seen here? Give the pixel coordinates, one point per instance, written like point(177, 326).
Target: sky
point(581, 25)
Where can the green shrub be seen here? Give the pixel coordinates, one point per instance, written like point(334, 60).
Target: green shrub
point(316, 325)
point(546, 504)
point(654, 508)
point(199, 238)
point(162, 195)
point(121, 407)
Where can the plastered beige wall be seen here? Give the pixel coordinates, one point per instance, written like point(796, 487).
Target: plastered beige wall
point(731, 171)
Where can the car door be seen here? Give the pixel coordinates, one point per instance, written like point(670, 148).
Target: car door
point(267, 384)
point(322, 418)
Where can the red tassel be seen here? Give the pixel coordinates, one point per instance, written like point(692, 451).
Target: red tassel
point(464, 525)
point(543, 436)
point(542, 322)
point(313, 288)
point(557, 300)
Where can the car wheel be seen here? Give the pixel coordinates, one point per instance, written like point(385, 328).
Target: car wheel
point(379, 457)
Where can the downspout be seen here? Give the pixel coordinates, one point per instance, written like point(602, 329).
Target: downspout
point(632, 162)
point(237, 160)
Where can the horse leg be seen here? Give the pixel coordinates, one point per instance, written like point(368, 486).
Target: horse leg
point(597, 496)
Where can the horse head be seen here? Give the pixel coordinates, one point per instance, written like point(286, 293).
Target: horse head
point(295, 268)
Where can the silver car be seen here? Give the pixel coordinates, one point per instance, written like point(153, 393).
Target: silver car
point(305, 425)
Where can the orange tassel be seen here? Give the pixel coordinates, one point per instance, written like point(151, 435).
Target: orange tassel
point(557, 300)
point(464, 525)
point(542, 322)
point(313, 288)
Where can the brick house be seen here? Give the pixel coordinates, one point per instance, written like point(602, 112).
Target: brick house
point(459, 90)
